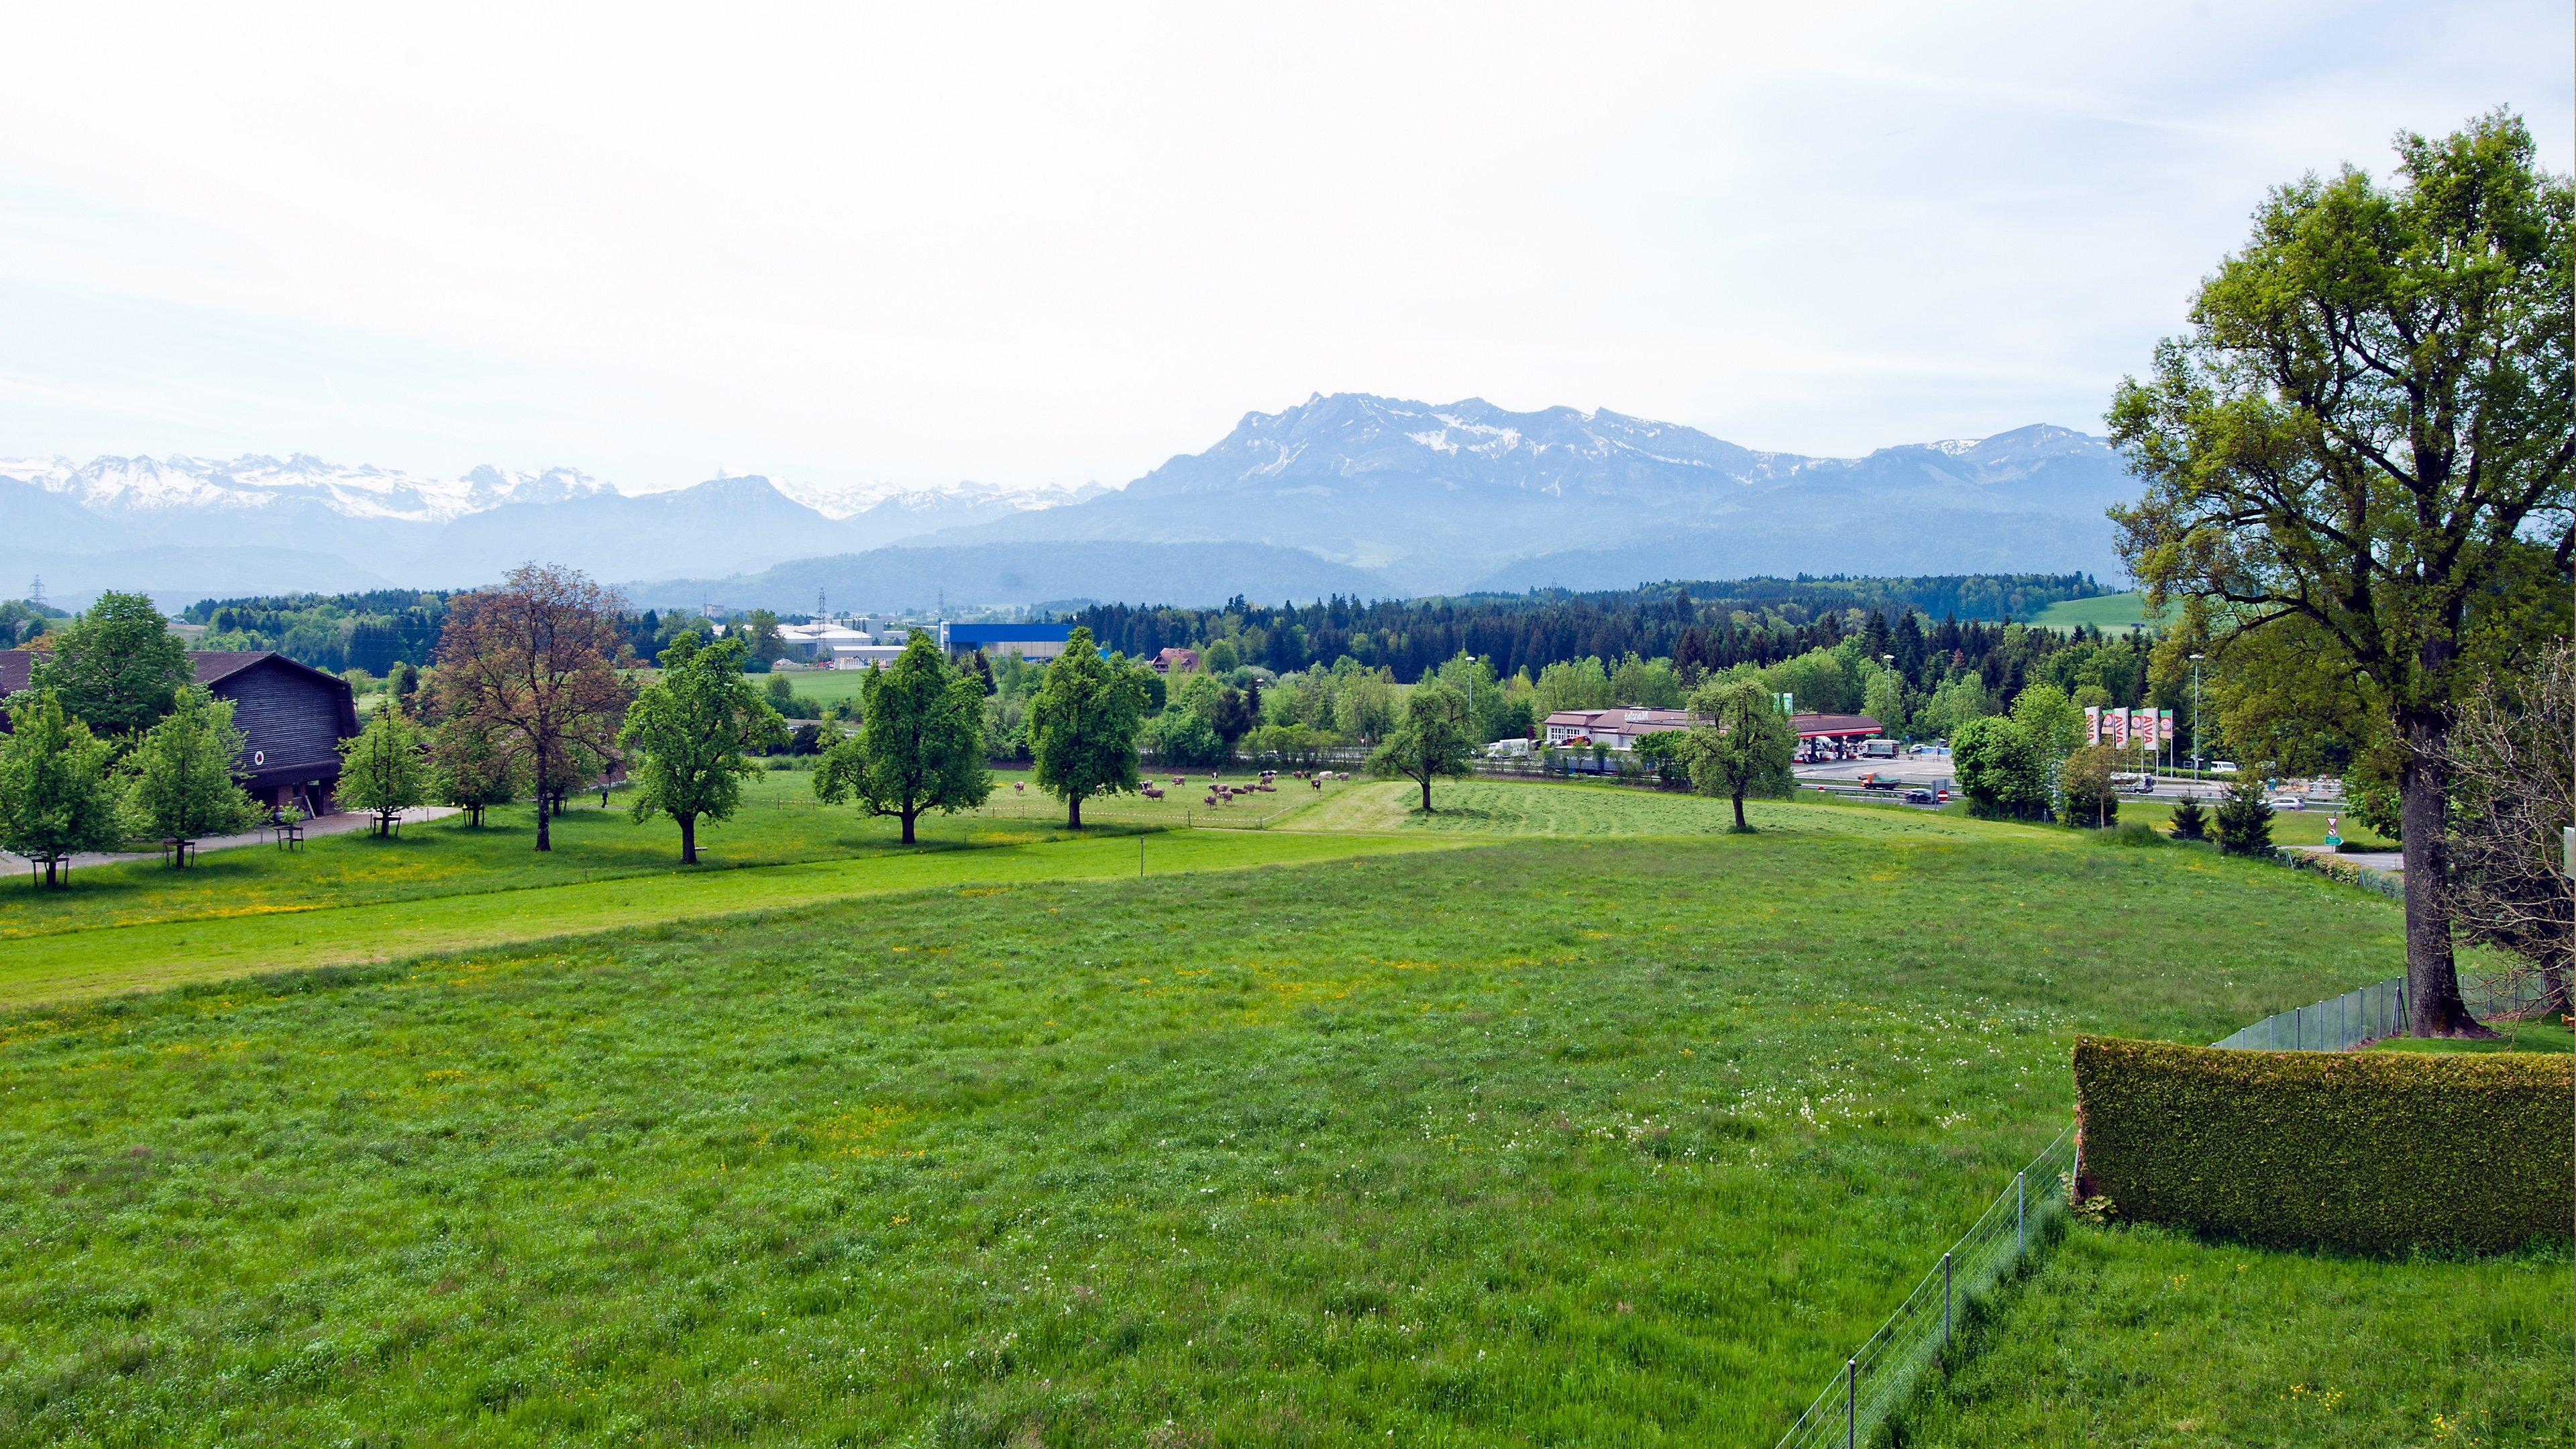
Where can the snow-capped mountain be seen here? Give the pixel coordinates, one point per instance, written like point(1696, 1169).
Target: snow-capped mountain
point(949, 503)
point(1417, 497)
point(1444, 496)
point(177, 483)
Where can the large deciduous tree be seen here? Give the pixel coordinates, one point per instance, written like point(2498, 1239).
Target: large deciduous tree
point(920, 744)
point(1428, 742)
point(1745, 748)
point(1082, 726)
point(55, 796)
point(117, 667)
point(530, 661)
point(2365, 438)
point(688, 735)
point(179, 778)
point(382, 769)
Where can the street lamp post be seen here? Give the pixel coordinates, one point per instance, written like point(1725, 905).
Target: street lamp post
point(2195, 716)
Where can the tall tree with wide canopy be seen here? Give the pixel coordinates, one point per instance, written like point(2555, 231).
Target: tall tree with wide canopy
point(920, 744)
point(2365, 439)
point(1429, 741)
point(179, 778)
point(1082, 726)
point(530, 661)
point(117, 667)
point(55, 797)
point(1746, 747)
point(688, 733)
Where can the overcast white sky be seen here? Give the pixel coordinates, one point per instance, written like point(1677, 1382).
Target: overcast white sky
point(914, 244)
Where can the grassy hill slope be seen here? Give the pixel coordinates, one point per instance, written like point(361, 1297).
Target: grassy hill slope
point(1543, 1141)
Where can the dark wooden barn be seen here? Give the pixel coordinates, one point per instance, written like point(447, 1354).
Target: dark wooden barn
point(292, 718)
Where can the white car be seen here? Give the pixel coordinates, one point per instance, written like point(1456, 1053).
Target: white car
point(2287, 802)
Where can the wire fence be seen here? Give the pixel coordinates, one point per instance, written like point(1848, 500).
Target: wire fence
point(1875, 1380)
point(2336, 1024)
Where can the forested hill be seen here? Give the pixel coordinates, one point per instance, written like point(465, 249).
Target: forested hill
point(1712, 623)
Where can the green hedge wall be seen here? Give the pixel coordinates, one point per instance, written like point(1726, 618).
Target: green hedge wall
point(2373, 1152)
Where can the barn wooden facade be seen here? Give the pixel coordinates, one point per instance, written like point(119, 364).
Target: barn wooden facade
point(292, 718)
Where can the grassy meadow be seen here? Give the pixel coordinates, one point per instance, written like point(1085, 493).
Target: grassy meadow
point(2289, 827)
point(2119, 613)
point(1579, 809)
point(2137, 1338)
point(1624, 1138)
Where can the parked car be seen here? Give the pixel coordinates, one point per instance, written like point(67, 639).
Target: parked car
point(2222, 767)
point(1918, 797)
point(2287, 802)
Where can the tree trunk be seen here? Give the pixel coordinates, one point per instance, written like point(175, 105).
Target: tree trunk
point(907, 814)
point(2434, 1006)
point(1073, 812)
point(688, 840)
point(544, 840)
point(1739, 816)
point(51, 882)
point(1426, 794)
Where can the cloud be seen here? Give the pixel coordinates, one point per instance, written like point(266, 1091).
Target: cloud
point(1049, 244)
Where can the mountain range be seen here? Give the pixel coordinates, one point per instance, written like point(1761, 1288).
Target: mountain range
point(1348, 493)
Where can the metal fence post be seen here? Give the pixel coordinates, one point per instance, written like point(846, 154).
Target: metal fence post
point(1945, 1300)
point(1851, 1403)
point(2021, 1219)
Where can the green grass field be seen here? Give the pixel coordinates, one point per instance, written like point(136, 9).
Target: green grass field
point(780, 822)
point(2111, 613)
point(2289, 827)
point(2136, 1337)
point(827, 686)
point(1578, 809)
point(1577, 1121)
point(1541, 1141)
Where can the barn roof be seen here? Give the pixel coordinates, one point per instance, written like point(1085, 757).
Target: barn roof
point(210, 665)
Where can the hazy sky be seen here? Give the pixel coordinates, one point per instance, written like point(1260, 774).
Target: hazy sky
point(1044, 245)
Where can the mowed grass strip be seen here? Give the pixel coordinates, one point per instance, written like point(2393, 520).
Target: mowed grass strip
point(780, 822)
point(1550, 1142)
point(2140, 1337)
point(68, 965)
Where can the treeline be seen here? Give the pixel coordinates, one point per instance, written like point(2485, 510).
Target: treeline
point(380, 630)
point(374, 631)
point(1709, 625)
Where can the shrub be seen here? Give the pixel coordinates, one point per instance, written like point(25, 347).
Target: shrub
point(2136, 835)
point(2244, 821)
point(2190, 821)
point(2363, 1151)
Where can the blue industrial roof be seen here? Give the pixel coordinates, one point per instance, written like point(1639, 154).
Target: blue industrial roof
point(1009, 633)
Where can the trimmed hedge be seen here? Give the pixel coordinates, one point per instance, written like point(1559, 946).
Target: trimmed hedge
point(2374, 1152)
